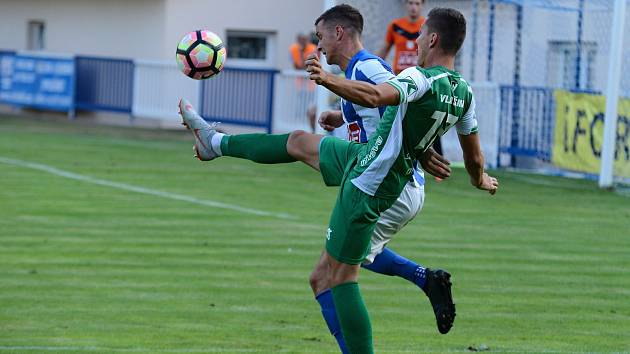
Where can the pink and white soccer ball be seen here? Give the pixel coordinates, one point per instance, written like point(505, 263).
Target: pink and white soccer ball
point(200, 54)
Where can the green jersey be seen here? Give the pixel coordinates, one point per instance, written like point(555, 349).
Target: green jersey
point(431, 101)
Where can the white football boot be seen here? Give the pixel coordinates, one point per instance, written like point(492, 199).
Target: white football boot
point(202, 131)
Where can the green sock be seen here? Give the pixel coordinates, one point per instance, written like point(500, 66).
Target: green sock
point(353, 317)
point(261, 148)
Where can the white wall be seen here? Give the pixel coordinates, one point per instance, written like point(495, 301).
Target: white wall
point(150, 29)
point(121, 28)
point(284, 17)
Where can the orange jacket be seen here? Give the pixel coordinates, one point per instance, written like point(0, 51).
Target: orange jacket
point(403, 34)
point(298, 57)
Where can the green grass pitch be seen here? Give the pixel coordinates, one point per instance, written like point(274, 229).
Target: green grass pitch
point(113, 240)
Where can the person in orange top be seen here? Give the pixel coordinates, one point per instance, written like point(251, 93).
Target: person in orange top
point(301, 49)
point(402, 33)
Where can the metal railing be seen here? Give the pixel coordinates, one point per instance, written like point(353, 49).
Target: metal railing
point(526, 121)
point(158, 86)
point(239, 96)
point(104, 84)
point(294, 96)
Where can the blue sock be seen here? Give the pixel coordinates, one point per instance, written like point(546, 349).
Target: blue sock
point(390, 263)
point(327, 304)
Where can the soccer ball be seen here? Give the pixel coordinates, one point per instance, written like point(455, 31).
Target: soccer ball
point(200, 54)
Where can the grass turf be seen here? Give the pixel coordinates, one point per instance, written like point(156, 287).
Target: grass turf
point(540, 267)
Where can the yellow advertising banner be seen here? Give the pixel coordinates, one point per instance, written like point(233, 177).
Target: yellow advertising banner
point(579, 133)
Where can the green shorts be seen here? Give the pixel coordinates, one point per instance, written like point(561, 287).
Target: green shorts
point(355, 213)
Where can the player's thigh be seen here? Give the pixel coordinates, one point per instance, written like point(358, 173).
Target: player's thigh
point(352, 223)
point(392, 220)
point(304, 147)
point(336, 156)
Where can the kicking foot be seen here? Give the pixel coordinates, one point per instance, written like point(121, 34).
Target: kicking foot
point(202, 131)
point(438, 289)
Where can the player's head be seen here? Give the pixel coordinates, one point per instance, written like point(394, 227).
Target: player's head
point(443, 33)
point(414, 8)
point(335, 26)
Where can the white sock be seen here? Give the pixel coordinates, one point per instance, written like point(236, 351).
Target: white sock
point(215, 143)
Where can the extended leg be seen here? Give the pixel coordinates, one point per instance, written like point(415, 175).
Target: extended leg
point(260, 148)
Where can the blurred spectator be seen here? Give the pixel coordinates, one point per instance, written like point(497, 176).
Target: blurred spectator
point(299, 51)
point(402, 33)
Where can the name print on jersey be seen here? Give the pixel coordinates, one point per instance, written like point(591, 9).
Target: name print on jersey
point(452, 100)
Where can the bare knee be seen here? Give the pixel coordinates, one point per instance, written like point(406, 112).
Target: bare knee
point(318, 280)
point(294, 146)
point(342, 273)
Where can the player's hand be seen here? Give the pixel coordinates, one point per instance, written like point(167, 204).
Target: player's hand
point(435, 164)
point(315, 70)
point(329, 120)
point(488, 183)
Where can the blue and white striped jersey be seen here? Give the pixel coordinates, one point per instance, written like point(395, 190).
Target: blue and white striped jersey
point(362, 121)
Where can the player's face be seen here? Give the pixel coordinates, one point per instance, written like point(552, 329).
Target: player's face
point(327, 44)
point(413, 8)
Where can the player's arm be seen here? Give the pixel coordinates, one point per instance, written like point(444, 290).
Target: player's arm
point(435, 164)
point(329, 120)
point(473, 157)
point(384, 51)
point(361, 93)
point(474, 161)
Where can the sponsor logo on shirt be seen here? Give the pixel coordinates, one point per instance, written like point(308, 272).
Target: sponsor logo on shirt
point(354, 132)
point(373, 151)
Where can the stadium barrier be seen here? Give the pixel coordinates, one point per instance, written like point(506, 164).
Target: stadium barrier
point(526, 121)
point(158, 86)
point(294, 95)
point(239, 96)
point(487, 100)
point(5, 70)
point(104, 84)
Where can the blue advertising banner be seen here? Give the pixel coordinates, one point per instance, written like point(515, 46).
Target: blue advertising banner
point(40, 82)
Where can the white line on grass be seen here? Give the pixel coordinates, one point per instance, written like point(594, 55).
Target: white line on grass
point(137, 189)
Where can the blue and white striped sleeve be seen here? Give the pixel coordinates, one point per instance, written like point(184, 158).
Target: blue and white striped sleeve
point(372, 71)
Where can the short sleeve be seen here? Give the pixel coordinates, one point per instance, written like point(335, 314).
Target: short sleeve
point(468, 124)
point(411, 84)
point(373, 71)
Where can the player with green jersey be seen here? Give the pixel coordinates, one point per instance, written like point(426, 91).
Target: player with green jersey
point(425, 103)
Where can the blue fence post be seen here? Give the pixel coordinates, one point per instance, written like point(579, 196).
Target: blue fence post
point(270, 102)
point(490, 40)
point(517, 81)
point(578, 59)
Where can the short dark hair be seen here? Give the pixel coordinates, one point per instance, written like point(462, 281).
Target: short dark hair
point(344, 15)
point(450, 25)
